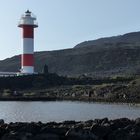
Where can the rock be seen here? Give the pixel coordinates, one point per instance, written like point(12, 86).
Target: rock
point(128, 128)
point(104, 121)
point(69, 122)
point(88, 123)
point(15, 126)
point(119, 123)
point(1, 121)
point(17, 136)
point(78, 125)
point(30, 128)
point(119, 135)
point(97, 121)
point(46, 137)
point(134, 136)
point(101, 131)
point(80, 134)
point(58, 131)
point(94, 126)
point(51, 124)
point(136, 129)
point(3, 131)
point(137, 121)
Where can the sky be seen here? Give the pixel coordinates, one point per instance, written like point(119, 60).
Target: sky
point(65, 23)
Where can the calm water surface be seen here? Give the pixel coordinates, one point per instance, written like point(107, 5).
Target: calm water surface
point(64, 110)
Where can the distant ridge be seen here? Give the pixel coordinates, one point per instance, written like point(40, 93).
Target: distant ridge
point(131, 38)
point(104, 56)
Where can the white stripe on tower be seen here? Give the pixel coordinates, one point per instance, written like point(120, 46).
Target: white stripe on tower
point(28, 44)
point(27, 58)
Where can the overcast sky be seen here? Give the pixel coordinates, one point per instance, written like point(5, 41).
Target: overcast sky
point(65, 23)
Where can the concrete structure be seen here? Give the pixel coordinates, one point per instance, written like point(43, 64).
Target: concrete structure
point(28, 23)
point(7, 74)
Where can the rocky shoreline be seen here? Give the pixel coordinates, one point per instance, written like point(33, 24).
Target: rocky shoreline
point(98, 129)
point(87, 93)
point(124, 90)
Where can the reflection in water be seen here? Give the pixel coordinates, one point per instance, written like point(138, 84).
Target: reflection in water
point(66, 110)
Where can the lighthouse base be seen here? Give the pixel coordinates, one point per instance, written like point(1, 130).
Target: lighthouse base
point(27, 70)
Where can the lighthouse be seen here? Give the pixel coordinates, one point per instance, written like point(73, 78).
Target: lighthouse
point(27, 23)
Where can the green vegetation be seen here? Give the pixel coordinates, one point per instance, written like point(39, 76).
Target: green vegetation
point(38, 81)
point(51, 87)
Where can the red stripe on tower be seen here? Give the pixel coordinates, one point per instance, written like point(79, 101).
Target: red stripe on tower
point(27, 60)
point(27, 23)
point(28, 31)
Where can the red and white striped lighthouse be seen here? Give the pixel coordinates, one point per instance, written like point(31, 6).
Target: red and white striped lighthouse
point(28, 23)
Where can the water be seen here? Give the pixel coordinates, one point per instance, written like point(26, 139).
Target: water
point(64, 110)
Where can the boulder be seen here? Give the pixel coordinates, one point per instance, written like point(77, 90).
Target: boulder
point(137, 121)
point(1, 121)
point(80, 134)
point(119, 123)
point(57, 131)
point(47, 136)
point(17, 136)
point(119, 134)
point(101, 131)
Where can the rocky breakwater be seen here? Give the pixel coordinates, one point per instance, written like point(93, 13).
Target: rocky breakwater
point(98, 129)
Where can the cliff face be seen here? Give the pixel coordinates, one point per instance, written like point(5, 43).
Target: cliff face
point(120, 54)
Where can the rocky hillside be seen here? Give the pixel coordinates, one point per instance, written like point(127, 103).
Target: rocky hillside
point(105, 56)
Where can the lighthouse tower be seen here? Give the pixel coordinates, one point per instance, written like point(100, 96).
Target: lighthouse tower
point(28, 23)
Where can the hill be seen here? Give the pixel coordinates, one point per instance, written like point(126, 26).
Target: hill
point(105, 56)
